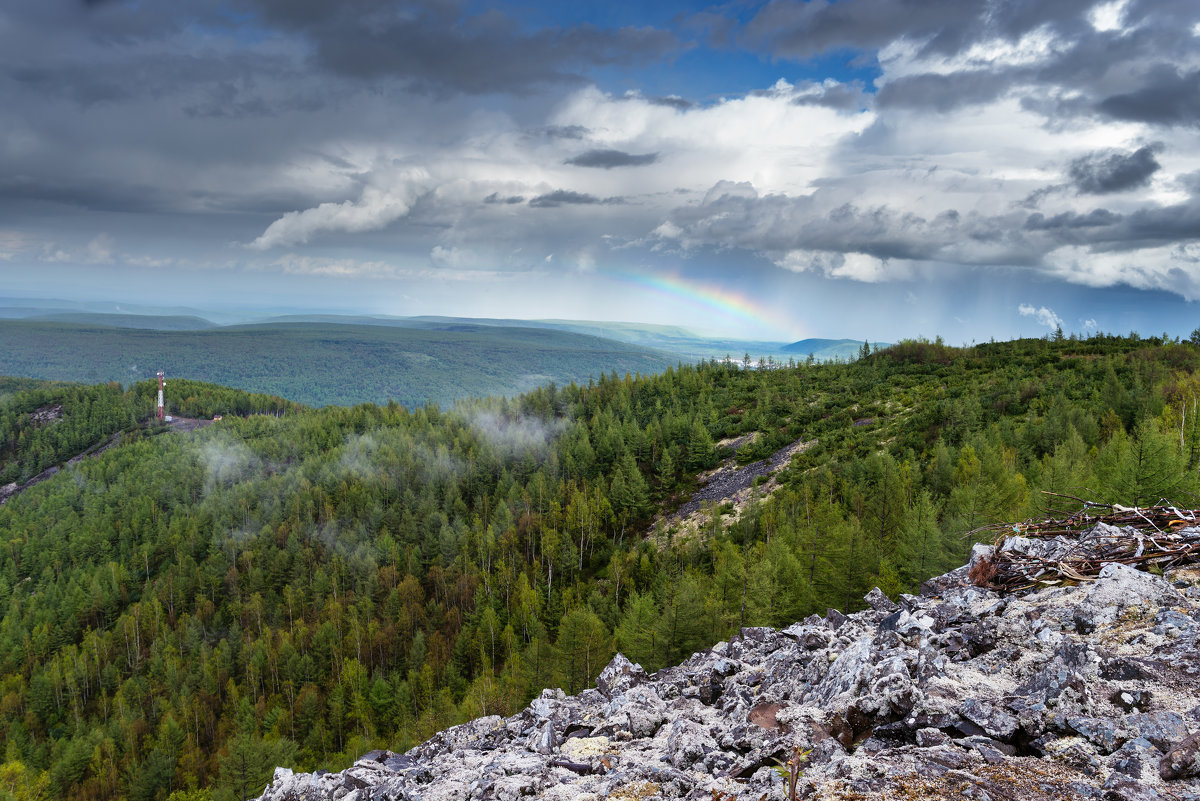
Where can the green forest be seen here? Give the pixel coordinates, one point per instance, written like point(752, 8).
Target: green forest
point(322, 363)
point(183, 612)
point(43, 424)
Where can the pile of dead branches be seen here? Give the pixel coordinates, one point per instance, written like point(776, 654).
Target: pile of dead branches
point(1150, 538)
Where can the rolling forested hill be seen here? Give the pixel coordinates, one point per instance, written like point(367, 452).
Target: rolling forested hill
point(145, 321)
point(829, 349)
point(43, 423)
point(184, 611)
point(677, 340)
point(323, 363)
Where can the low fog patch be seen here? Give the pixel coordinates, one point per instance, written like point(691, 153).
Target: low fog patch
point(352, 542)
point(514, 436)
point(226, 461)
point(357, 458)
point(388, 455)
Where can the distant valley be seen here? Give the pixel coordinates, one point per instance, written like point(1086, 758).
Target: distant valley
point(321, 359)
point(686, 343)
point(320, 364)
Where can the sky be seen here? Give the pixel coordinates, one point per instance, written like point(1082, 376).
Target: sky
point(872, 169)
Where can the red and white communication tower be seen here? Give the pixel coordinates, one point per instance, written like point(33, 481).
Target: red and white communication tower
point(160, 395)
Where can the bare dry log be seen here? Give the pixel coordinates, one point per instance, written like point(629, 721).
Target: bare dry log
point(1151, 538)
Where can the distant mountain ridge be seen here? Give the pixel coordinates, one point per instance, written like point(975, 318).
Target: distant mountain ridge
point(828, 349)
point(324, 358)
point(323, 363)
point(35, 307)
point(152, 322)
point(670, 338)
point(679, 340)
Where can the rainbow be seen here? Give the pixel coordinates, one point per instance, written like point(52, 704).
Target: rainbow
point(733, 306)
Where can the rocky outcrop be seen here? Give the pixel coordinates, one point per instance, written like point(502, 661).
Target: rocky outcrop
point(730, 482)
point(1089, 691)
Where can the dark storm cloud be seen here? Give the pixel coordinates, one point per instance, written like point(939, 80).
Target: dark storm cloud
point(126, 197)
point(778, 223)
point(139, 197)
point(509, 200)
point(804, 29)
point(157, 106)
point(435, 47)
point(1191, 182)
point(77, 83)
point(238, 98)
point(1067, 220)
point(672, 101)
point(563, 197)
point(567, 197)
point(1127, 73)
point(841, 97)
point(308, 13)
point(133, 75)
point(564, 132)
point(775, 225)
point(1108, 62)
point(1155, 226)
point(1107, 172)
point(1102, 230)
point(431, 46)
point(69, 65)
point(607, 159)
point(938, 92)
point(1167, 97)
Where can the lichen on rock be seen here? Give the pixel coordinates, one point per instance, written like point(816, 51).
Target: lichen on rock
point(1089, 691)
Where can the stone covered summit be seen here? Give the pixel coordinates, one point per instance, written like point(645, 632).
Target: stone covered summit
point(1073, 691)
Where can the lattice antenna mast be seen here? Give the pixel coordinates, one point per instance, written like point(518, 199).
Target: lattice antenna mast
point(160, 395)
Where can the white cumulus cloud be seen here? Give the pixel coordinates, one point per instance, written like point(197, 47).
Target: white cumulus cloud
point(376, 208)
point(1042, 314)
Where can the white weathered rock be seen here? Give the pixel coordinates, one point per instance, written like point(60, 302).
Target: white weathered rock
point(688, 743)
point(639, 712)
point(1120, 587)
point(1088, 692)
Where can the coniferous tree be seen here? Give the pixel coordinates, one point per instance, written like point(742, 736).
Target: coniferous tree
point(584, 646)
point(637, 633)
point(247, 765)
point(682, 628)
point(699, 448)
point(1141, 468)
point(924, 549)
